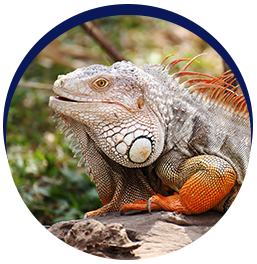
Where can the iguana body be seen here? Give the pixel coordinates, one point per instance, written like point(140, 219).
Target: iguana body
point(151, 143)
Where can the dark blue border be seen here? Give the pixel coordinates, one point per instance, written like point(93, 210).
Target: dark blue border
point(230, 31)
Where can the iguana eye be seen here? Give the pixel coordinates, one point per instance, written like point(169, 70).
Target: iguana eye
point(101, 83)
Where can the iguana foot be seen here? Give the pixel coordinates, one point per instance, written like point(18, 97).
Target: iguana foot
point(139, 205)
point(92, 213)
point(168, 203)
point(107, 208)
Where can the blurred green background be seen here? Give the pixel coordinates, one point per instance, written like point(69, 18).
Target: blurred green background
point(42, 166)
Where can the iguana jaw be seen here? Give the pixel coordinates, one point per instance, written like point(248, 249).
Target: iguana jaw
point(131, 139)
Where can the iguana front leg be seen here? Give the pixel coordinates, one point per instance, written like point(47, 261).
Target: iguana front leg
point(124, 185)
point(207, 180)
point(129, 186)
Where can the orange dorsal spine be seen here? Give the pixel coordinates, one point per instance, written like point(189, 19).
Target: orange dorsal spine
point(218, 90)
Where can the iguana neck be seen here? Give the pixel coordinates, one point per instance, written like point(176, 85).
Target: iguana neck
point(170, 102)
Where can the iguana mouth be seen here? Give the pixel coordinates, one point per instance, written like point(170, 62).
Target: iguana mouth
point(60, 98)
point(65, 99)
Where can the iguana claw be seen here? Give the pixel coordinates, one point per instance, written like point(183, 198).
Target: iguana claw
point(121, 212)
point(149, 205)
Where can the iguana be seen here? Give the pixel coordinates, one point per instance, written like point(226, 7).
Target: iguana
point(151, 142)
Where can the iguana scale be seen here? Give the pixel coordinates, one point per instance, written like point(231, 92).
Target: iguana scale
point(151, 142)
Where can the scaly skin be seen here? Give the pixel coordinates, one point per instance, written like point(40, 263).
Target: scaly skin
point(150, 143)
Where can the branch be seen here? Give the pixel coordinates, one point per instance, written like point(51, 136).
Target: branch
point(102, 40)
point(35, 85)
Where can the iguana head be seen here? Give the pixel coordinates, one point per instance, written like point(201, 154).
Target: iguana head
point(109, 103)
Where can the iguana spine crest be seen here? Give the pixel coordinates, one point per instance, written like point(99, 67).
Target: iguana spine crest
point(218, 90)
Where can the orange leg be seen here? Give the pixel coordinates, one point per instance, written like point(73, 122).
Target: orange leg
point(212, 181)
point(139, 205)
point(136, 205)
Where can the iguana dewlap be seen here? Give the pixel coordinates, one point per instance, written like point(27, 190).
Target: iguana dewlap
point(150, 142)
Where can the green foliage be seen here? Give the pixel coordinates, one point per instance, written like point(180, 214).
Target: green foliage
point(42, 167)
point(46, 175)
